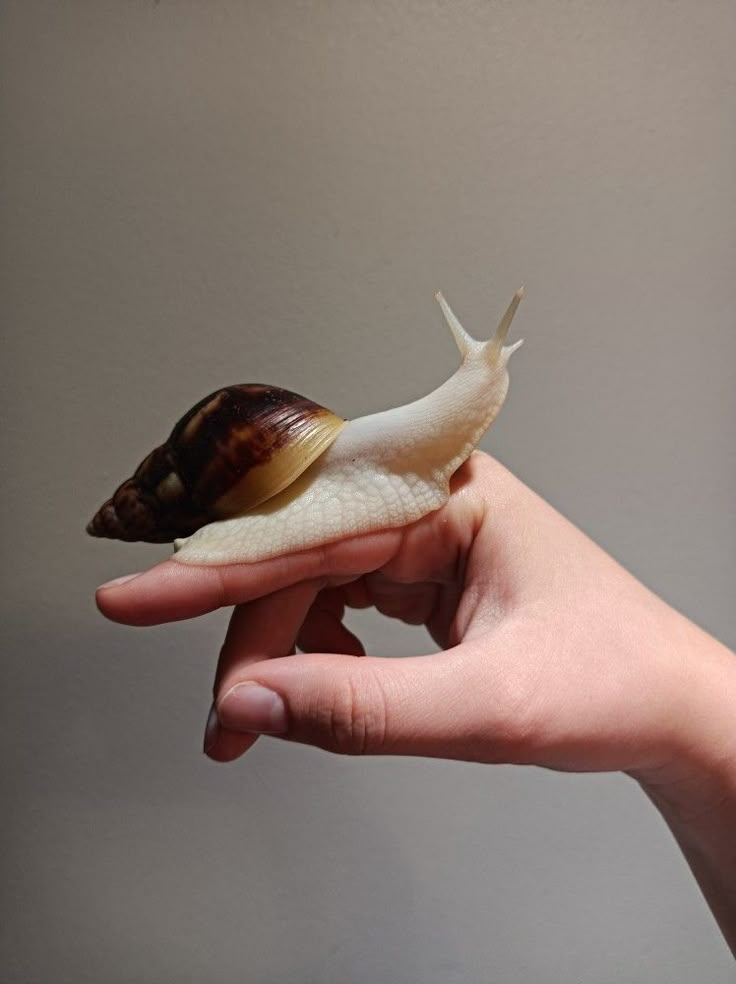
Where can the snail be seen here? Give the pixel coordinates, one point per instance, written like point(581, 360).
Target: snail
point(254, 471)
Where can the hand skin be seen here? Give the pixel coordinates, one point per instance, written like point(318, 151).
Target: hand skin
point(553, 655)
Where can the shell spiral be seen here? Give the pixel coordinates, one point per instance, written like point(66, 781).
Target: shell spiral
point(233, 450)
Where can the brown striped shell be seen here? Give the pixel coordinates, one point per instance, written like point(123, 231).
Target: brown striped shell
point(229, 453)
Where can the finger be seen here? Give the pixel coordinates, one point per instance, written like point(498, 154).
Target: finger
point(418, 706)
point(259, 630)
point(355, 594)
point(323, 629)
point(173, 590)
point(263, 629)
point(331, 600)
point(412, 603)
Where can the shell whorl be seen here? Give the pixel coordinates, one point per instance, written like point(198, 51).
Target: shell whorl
point(232, 451)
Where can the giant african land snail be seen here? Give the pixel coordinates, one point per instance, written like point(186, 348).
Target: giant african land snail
point(254, 471)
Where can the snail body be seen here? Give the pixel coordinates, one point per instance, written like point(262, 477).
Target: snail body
point(252, 472)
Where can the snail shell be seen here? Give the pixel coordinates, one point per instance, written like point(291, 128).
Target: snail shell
point(233, 450)
point(255, 471)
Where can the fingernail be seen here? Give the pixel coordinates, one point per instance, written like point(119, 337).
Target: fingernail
point(253, 708)
point(116, 582)
point(211, 730)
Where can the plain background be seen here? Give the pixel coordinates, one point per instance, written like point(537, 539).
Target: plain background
point(200, 193)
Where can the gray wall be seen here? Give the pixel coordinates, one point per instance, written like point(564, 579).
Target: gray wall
point(202, 193)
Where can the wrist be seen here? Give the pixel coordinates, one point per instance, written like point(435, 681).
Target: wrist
point(695, 788)
point(697, 772)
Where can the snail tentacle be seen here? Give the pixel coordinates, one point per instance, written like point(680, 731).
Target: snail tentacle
point(464, 341)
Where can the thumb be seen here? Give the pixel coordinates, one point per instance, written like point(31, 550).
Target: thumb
point(449, 705)
point(354, 706)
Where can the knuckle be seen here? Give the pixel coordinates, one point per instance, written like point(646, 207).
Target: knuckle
point(355, 720)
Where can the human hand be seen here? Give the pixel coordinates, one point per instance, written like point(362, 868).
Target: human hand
point(552, 653)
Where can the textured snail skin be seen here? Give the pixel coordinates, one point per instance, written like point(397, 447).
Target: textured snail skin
point(385, 470)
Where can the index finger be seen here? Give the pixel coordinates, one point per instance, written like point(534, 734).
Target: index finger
point(172, 590)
